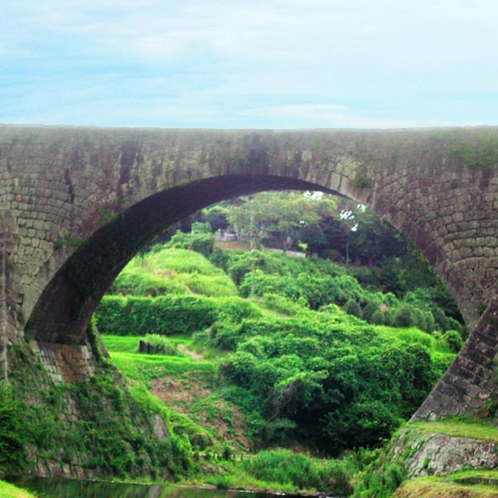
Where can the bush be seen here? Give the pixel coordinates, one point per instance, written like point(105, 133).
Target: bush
point(200, 240)
point(454, 340)
point(13, 454)
point(404, 316)
point(287, 467)
point(379, 479)
point(135, 315)
point(353, 308)
point(378, 317)
point(158, 344)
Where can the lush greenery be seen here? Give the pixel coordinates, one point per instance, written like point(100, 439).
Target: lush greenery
point(8, 490)
point(285, 466)
point(248, 355)
point(13, 452)
point(296, 352)
point(92, 423)
point(305, 353)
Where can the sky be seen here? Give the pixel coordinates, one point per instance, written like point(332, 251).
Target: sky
point(278, 64)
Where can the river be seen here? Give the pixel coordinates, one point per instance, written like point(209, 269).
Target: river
point(68, 488)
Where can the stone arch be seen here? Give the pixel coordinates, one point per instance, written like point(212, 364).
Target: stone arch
point(62, 313)
point(96, 186)
point(64, 308)
point(437, 187)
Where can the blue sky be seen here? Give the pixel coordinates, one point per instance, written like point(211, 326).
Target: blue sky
point(249, 64)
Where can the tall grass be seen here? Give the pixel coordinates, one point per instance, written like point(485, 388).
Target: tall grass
point(303, 472)
point(8, 490)
point(173, 271)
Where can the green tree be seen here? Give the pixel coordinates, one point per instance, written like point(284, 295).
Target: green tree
point(279, 217)
point(200, 239)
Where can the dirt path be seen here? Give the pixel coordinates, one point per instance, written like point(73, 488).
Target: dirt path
point(195, 356)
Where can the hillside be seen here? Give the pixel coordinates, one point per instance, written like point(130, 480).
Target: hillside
point(263, 351)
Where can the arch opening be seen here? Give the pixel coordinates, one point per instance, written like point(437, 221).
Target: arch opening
point(66, 305)
point(115, 318)
point(62, 313)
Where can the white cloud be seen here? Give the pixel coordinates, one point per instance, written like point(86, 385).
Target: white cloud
point(250, 63)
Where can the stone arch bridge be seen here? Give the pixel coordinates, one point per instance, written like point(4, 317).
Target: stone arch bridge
point(77, 203)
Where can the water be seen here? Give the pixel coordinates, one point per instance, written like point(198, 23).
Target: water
point(68, 488)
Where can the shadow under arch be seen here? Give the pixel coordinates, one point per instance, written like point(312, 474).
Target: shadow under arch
point(62, 313)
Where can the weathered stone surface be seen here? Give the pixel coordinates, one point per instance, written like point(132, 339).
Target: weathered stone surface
point(77, 203)
point(469, 386)
point(439, 454)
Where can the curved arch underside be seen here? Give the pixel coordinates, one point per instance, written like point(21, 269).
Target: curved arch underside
point(62, 313)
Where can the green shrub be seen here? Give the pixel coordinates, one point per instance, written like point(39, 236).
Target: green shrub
point(378, 317)
point(454, 340)
point(200, 240)
point(158, 344)
point(353, 308)
point(287, 467)
point(379, 481)
point(135, 315)
point(13, 454)
point(404, 316)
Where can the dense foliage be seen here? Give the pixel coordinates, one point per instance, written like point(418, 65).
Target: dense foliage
point(328, 352)
point(93, 423)
point(308, 354)
point(300, 470)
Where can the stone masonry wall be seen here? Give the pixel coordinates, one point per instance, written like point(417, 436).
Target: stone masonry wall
point(69, 195)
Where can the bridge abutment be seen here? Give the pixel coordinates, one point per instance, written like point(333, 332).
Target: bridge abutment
point(470, 385)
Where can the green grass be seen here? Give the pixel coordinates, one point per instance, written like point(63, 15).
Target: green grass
point(121, 344)
point(235, 478)
point(285, 471)
point(129, 344)
point(174, 271)
point(460, 427)
point(449, 486)
point(147, 367)
point(10, 491)
point(180, 261)
point(472, 473)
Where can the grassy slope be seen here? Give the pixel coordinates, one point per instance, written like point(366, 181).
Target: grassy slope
point(452, 486)
point(467, 483)
point(188, 386)
point(460, 427)
point(10, 491)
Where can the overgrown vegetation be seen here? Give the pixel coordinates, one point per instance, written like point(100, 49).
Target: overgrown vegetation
point(252, 351)
point(296, 352)
point(299, 367)
point(92, 424)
